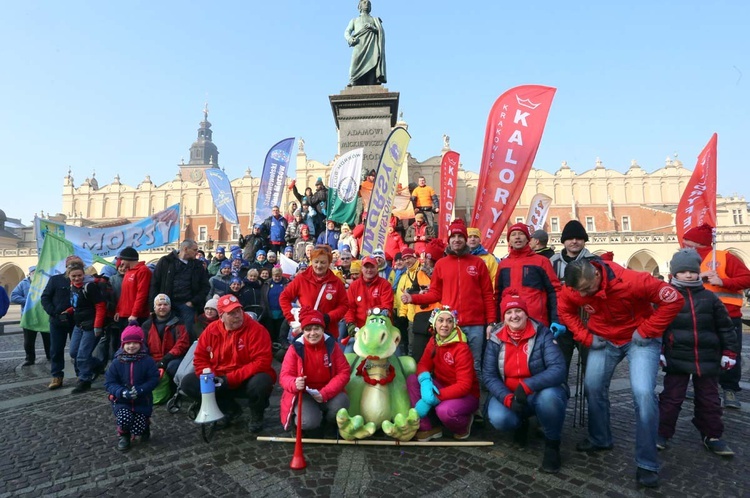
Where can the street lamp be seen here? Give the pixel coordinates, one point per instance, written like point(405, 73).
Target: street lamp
point(210, 247)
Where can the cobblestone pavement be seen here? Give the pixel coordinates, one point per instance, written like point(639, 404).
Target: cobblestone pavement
point(57, 444)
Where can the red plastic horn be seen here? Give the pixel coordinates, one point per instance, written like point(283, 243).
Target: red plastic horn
point(298, 460)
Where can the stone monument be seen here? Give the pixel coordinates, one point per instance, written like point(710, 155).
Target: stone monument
point(365, 111)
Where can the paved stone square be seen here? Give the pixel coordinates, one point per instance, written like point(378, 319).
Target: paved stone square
point(57, 444)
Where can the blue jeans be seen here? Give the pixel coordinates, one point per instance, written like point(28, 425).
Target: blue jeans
point(58, 336)
point(644, 365)
point(475, 337)
point(81, 345)
point(548, 405)
point(187, 317)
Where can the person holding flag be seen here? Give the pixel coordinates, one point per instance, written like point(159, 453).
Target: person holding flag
point(726, 275)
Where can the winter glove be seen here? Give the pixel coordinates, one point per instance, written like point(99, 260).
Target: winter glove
point(165, 361)
point(68, 311)
point(423, 408)
point(221, 383)
point(351, 329)
point(727, 362)
point(557, 329)
point(662, 361)
point(518, 405)
point(126, 394)
point(598, 343)
point(427, 389)
point(98, 331)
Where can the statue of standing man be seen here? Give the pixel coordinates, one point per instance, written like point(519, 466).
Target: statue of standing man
point(366, 36)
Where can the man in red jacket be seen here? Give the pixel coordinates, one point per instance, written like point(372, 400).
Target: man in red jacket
point(366, 293)
point(628, 313)
point(726, 278)
point(461, 281)
point(237, 350)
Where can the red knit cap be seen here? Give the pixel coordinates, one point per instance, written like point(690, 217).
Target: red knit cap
point(523, 227)
point(435, 249)
point(457, 227)
point(702, 235)
point(512, 299)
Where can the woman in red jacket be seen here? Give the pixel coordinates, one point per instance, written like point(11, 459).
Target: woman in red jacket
point(445, 380)
point(318, 288)
point(315, 368)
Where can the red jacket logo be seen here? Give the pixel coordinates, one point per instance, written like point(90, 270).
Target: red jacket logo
point(589, 309)
point(668, 294)
point(472, 270)
point(448, 358)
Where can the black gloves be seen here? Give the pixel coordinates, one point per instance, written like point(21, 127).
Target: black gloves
point(518, 405)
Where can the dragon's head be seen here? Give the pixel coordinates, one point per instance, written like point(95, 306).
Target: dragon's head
point(378, 338)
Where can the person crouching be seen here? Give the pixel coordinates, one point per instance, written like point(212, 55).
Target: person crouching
point(130, 379)
point(524, 370)
point(315, 368)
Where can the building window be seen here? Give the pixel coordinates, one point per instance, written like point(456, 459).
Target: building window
point(554, 224)
point(519, 219)
point(626, 223)
point(202, 233)
point(737, 215)
point(590, 226)
point(235, 232)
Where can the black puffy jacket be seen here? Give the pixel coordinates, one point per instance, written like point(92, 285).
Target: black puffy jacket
point(698, 336)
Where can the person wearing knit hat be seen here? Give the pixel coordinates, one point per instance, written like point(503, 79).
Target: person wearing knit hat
point(219, 257)
point(574, 230)
point(452, 275)
point(346, 238)
point(130, 381)
point(727, 278)
point(533, 277)
point(474, 242)
point(355, 270)
point(445, 380)
point(315, 368)
point(219, 284)
point(129, 254)
point(700, 342)
point(167, 338)
point(536, 388)
point(539, 241)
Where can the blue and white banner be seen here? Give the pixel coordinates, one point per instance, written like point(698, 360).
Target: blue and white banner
point(273, 179)
point(157, 230)
point(221, 191)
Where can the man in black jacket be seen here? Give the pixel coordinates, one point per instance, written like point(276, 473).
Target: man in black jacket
point(56, 302)
point(184, 279)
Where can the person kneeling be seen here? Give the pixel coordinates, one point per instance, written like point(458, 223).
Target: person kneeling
point(237, 350)
point(445, 380)
point(130, 379)
point(315, 368)
point(523, 370)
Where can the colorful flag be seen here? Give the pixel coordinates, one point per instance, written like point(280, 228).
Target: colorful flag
point(288, 266)
point(448, 179)
point(344, 185)
point(514, 131)
point(273, 179)
point(51, 262)
point(381, 200)
point(157, 230)
point(538, 210)
point(221, 191)
point(698, 202)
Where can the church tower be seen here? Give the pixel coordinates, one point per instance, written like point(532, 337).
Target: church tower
point(203, 153)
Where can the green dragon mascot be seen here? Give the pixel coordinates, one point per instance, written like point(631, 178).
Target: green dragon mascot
point(377, 387)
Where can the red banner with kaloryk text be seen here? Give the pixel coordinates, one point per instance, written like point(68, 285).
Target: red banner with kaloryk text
point(698, 202)
point(448, 179)
point(514, 131)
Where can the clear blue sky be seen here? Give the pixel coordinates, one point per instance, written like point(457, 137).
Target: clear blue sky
point(118, 87)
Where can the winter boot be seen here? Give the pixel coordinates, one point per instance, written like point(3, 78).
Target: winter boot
point(123, 444)
point(551, 460)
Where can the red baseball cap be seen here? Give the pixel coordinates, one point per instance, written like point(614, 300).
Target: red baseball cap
point(369, 260)
point(228, 303)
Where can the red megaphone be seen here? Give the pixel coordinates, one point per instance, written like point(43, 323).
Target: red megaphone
point(298, 460)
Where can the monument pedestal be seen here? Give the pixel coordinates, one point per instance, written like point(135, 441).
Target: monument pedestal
point(365, 116)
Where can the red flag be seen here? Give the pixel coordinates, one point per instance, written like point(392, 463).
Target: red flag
point(698, 202)
point(448, 179)
point(514, 130)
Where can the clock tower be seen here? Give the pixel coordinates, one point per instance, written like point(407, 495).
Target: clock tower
point(203, 154)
